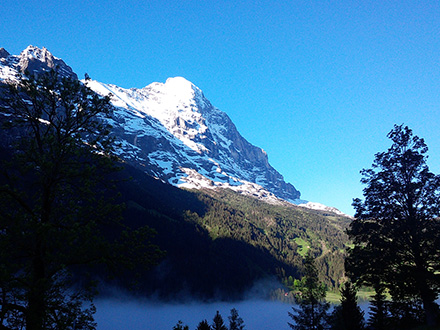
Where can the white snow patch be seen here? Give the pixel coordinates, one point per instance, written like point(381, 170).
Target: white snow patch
point(322, 207)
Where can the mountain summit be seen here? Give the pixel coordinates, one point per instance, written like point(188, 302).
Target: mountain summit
point(174, 132)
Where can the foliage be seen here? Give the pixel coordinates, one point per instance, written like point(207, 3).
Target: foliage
point(312, 311)
point(277, 229)
point(396, 233)
point(406, 314)
point(347, 315)
point(57, 201)
point(219, 243)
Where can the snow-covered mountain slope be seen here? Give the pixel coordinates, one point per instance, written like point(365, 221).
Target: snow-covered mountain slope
point(322, 207)
point(171, 131)
point(180, 137)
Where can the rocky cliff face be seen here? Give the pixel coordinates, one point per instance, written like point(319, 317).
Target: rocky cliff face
point(174, 133)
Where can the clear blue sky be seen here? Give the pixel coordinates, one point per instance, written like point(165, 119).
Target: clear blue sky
point(317, 84)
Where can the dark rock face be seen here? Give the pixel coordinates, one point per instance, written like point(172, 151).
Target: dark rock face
point(3, 53)
point(35, 60)
point(248, 157)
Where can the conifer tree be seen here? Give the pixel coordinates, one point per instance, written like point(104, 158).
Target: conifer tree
point(203, 325)
point(378, 310)
point(235, 321)
point(180, 326)
point(218, 323)
point(347, 315)
point(312, 311)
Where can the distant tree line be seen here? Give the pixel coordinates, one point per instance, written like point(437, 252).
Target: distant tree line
point(235, 323)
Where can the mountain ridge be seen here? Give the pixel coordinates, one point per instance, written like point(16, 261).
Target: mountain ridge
point(174, 133)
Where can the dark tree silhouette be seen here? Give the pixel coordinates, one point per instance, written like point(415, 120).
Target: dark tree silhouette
point(218, 323)
point(180, 326)
point(312, 311)
point(203, 325)
point(378, 319)
point(55, 200)
point(396, 233)
point(235, 321)
point(347, 315)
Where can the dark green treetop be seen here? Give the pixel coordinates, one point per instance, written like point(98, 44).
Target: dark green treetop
point(217, 322)
point(203, 325)
point(235, 321)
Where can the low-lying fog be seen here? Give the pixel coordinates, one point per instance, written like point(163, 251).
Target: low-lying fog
point(122, 315)
point(125, 314)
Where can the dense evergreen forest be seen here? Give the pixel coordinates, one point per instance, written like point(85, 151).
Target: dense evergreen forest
point(218, 242)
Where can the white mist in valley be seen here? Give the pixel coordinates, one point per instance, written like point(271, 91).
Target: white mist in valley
point(257, 314)
point(114, 314)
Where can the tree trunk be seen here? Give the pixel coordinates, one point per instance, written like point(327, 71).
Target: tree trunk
point(35, 312)
point(427, 294)
point(430, 308)
point(428, 297)
point(36, 295)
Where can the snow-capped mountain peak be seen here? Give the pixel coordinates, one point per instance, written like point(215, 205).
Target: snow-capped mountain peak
point(194, 144)
point(178, 91)
point(32, 52)
point(180, 88)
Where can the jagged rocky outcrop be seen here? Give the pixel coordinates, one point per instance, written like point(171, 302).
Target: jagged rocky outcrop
point(4, 53)
point(35, 60)
point(171, 131)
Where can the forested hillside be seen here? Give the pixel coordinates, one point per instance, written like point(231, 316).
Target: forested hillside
point(219, 242)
